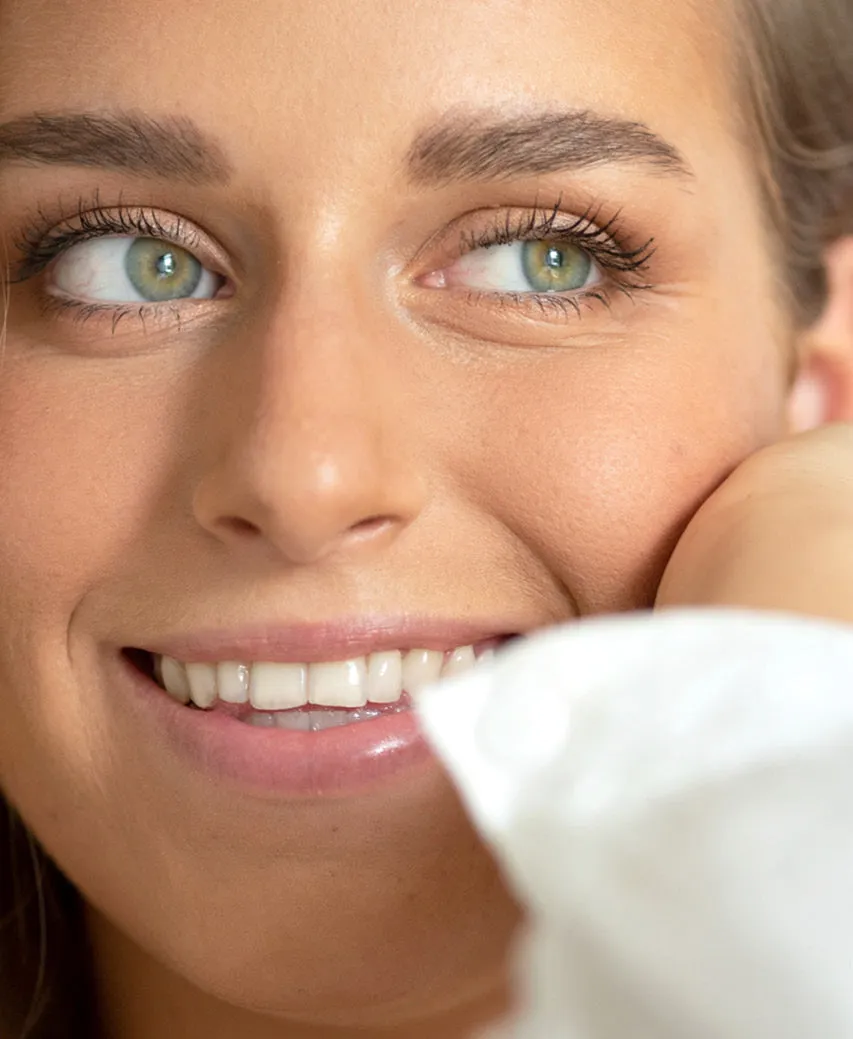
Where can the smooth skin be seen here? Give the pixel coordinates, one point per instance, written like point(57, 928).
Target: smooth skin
point(778, 533)
point(352, 430)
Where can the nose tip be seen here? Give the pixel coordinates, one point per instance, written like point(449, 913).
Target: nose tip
point(300, 507)
point(310, 443)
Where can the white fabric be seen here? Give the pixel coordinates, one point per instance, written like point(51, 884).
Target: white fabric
point(671, 796)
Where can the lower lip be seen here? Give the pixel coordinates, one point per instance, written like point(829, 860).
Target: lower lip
point(338, 762)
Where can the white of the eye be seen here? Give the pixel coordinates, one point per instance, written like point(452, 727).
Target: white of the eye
point(95, 271)
point(500, 268)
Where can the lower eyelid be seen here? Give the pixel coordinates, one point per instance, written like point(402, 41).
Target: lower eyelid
point(549, 307)
point(123, 317)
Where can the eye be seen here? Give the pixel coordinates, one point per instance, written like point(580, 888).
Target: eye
point(541, 266)
point(128, 269)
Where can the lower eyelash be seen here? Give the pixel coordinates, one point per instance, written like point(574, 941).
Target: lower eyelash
point(79, 312)
point(550, 304)
point(546, 305)
point(602, 242)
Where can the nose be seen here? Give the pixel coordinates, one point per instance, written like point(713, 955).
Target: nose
point(306, 443)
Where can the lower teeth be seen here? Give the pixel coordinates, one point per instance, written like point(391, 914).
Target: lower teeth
point(303, 720)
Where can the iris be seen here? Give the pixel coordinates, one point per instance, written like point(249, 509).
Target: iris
point(160, 271)
point(555, 267)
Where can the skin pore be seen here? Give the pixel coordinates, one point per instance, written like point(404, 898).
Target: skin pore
point(355, 425)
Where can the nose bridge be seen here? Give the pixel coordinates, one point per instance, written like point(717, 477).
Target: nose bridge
point(309, 453)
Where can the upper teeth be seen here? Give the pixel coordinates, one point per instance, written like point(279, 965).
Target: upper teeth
point(377, 678)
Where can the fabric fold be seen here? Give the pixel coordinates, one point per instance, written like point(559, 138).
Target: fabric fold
point(671, 797)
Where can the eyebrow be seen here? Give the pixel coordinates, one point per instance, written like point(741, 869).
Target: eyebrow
point(475, 146)
point(472, 146)
point(131, 142)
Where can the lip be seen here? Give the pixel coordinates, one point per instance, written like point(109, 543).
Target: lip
point(315, 643)
point(280, 763)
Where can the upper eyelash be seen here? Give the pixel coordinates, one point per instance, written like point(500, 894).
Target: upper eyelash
point(39, 247)
point(602, 241)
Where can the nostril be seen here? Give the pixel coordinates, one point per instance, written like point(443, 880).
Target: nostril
point(240, 526)
point(372, 525)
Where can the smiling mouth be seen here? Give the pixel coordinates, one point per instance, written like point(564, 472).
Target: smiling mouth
point(310, 697)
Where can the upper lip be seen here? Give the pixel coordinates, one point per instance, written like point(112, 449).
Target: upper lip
point(331, 640)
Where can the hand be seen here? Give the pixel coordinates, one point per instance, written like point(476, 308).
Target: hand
point(777, 535)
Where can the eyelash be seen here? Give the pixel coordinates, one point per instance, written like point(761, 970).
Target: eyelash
point(603, 242)
point(38, 250)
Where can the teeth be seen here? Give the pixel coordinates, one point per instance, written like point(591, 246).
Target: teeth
point(460, 660)
point(232, 681)
point(380, 678)
point(385, 677)
point(340, 684)
point(315, 721)
point(174, 678)
point(202, 679)
point(420, 668)
point(278, 687)
point(261, 720)
point(299, 721)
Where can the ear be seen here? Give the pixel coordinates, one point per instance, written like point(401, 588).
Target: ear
point(823, 387)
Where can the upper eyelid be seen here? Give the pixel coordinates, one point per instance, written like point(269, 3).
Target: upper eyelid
point(538, 222)
point(515, 222)
point(140, 220)
point(606, 233)
point(604, 241)
point(44, 229)
point(584, 228)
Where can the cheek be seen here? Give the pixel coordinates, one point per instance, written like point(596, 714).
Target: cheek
point(82, 455)
point(78, 467)
point(597, 459)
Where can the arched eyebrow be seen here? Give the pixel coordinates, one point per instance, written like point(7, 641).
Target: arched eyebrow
point(172, 146)
point(470, 146)
point(484, 146)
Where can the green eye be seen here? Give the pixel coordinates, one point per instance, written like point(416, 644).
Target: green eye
point(555, 267)
point(160, 271)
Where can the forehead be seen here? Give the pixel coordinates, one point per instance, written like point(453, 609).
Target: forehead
point(340, 80)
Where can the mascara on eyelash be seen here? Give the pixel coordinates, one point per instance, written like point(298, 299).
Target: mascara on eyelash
point(39, 246)
point(584, 232)
point(601, 241)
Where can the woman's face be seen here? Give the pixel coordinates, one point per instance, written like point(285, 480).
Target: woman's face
point(475, 310)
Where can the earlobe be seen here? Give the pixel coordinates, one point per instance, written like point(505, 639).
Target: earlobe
point(823, 388)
